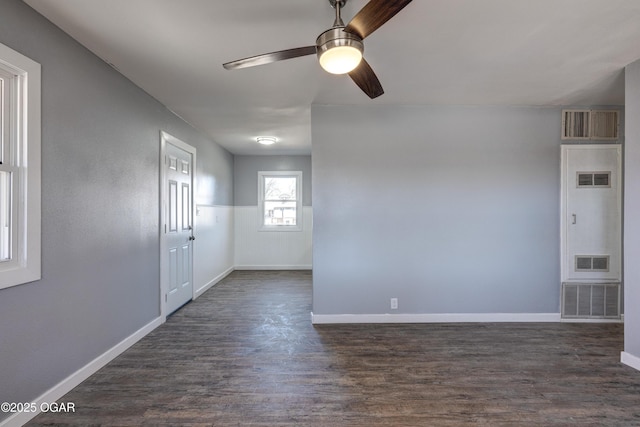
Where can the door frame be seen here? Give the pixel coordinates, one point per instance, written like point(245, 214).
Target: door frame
point(564, 222)
point(166, 138)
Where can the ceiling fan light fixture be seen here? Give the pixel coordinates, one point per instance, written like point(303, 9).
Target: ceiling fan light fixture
point(340, 59)
point(339, 52)
point(266, 140)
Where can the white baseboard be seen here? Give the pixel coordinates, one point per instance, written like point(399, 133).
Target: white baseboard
point(317, 319)
point(212, 282)
point(66, 385)
point(273, 267)
point(569, 320)
point(630, 360)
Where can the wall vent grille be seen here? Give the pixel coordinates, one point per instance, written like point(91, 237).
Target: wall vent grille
point(591, 301)
point(575, 124)
point(604, 124)
point(590, 124)
point(592, 263)
point(594, 179)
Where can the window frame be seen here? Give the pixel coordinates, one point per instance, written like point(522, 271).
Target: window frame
point(23, 158)
point(262, 175)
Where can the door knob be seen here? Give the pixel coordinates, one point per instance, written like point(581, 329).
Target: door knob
point(192, 238)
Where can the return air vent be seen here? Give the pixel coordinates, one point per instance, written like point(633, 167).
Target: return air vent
point(594, 179)
point(592, 263)
point(575, 124)
point(604, 124)
point(590, 124)
point(591, 301)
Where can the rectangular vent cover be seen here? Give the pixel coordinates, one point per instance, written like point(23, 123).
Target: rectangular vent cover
point(575, 124)
point(594, 179)
point(591, 301)
point(604, 124)
point(592, 263)
point(590, 124)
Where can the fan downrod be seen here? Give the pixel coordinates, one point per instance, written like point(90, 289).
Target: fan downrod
point(338, 5)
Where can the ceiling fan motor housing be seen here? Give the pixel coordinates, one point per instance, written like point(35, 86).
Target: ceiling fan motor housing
point(336, 37)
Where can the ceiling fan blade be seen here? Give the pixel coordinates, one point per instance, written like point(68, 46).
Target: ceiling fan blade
point(367, 80)
point(268, 58)
point(373, 15)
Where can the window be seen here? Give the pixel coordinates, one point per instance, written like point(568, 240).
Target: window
point(19, 168)
point(280, 200)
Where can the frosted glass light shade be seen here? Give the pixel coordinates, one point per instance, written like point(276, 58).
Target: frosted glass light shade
point(340, 59)
point(266, 140)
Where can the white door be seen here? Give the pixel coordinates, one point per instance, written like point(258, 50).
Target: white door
point(591, 217)
point(177, 227)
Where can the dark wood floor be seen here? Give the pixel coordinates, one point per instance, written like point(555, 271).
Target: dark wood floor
point(245, 354)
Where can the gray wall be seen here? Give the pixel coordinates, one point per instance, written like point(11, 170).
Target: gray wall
point(449, 209)
point(631, 210)
point(100, 244)
point(245, 175)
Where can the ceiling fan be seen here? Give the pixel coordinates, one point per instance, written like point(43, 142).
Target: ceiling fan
point(340, 48)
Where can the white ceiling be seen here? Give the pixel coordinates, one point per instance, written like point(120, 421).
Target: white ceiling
point(467, 52)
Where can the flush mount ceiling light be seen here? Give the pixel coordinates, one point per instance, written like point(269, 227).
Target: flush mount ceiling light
point(340, 48)
point(266, 140)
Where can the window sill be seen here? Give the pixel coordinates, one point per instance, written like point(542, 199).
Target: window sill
point(281, 228)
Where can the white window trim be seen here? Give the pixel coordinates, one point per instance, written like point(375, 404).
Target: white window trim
point(25, 145)
point(282, 174)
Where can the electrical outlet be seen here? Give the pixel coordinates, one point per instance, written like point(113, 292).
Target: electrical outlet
point(394, 303)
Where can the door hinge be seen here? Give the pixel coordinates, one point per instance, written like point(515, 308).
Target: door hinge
point(165, 297)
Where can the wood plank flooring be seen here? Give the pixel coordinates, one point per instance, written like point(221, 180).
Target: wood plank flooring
point(246, 354)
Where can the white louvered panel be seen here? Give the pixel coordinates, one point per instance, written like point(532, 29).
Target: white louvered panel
point(271, 249)
point(604, 124)
point(590, 124)
point(598, 301)
point(591, 300)
point(575, 124)
point(569, 300)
